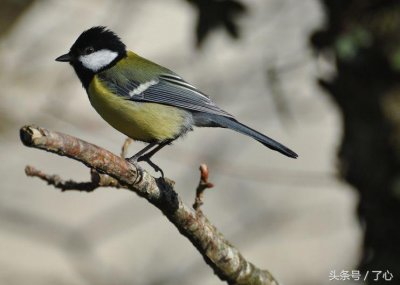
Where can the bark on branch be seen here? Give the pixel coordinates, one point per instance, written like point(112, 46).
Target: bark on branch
point(112, 171)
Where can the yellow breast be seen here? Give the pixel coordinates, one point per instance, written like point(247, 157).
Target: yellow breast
point(146, 122)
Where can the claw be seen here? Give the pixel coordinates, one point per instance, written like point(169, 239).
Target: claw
point(143, 156)
point(134, 160)
point(152, 164)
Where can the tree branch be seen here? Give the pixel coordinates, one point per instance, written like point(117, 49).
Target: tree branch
point(203, 185)
point(97, 180)
point(226, 261)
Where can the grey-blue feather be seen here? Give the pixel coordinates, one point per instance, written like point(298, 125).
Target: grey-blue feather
point(211, 120)
point(170, 89)
point(165, 89)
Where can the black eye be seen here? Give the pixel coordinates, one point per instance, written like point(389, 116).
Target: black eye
point(88, 50)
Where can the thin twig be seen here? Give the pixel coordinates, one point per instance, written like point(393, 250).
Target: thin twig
point(226, 261)
point(97, 180)
point(125, 146)
point(203, 185)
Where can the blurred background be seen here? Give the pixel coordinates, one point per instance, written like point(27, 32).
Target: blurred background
point(318, 76)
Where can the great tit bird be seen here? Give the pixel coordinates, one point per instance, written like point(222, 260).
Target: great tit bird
point(143, 100)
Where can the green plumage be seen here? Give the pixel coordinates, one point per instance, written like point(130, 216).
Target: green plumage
point(148, 122)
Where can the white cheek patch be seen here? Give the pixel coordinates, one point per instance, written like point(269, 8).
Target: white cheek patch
point(98, 59)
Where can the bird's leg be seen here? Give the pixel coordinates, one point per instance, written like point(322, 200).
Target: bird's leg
point(143, 156)
point(135, 158)
point(146, 157)
point(152, 164)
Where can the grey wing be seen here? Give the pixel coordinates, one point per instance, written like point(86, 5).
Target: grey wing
point(168, 89)
point(173, 90)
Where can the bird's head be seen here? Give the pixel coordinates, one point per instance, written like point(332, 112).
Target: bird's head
point(95, 49)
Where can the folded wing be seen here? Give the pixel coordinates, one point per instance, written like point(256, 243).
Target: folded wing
point(167, 89)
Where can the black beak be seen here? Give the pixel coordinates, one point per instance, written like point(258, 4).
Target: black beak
point(65, 58)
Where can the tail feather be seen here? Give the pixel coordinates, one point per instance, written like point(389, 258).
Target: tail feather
point(230, 123)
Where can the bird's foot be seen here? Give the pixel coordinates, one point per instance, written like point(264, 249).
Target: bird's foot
point(152, 164)
point(135, 159)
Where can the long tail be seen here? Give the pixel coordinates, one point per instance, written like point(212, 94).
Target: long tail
point(230, 123)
